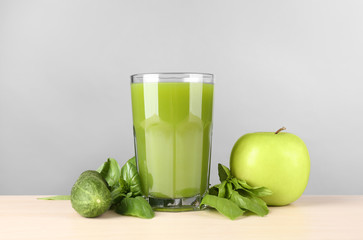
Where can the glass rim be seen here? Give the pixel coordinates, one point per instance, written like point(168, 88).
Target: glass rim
point(191, 77)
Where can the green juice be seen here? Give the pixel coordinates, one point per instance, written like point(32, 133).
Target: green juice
point(172, 129)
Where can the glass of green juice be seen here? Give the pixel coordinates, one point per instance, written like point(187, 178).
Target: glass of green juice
point(172, 119)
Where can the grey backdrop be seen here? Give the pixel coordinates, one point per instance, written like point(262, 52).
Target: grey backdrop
point(65, 96)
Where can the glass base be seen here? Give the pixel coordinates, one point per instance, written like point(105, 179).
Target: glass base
point(176, 204)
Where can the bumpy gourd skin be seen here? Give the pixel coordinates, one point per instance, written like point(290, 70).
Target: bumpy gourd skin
point(90, 196)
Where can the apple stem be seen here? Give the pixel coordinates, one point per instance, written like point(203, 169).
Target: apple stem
point(281, 129)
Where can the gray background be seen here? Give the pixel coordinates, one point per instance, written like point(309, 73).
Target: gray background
point(65, 96)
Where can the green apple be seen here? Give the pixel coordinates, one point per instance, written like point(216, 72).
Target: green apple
point(277, 160)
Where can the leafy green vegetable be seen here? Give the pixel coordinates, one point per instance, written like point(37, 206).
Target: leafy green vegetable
point(103, 169)
point(250, 202)
point(131, 176)
point(214, 190)
point(127, 186)
point(110, 187)
point(223, 172)
point(119, 191)
point(235, 183)
point(126, 191)
point(137, 207)
point(222, 189)
point(129, 194)
point(237, 191)
point(132, 160)
point(223, 205)
point(110, 171)
point(244, 184)
point(229, 190)
point(58, 197)
point(90, 196)
point(261, 192)
point(257, 191)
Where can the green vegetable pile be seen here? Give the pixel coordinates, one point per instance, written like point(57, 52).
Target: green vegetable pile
point(125, 188)
point(110, 187)
point(233, 197)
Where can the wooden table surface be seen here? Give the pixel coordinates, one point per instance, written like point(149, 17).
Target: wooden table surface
point(310, 217)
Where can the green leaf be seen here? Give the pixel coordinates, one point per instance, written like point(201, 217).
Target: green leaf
point(131, 176)
point(249, 202)
point(103, 169)
point(224, 206)
point(229, 190)
point(261, 192)
point(244, 184)
point(110, 171)
point(235, 184)
point(257, 191)
point(119, 192)
point(58, 197)
point(99, 169)
point(214, 190)
point(222, 189)
point(223, 172)
point(132, 161)
point(137, 207)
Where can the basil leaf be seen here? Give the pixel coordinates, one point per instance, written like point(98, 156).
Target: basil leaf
point(222, 189)
point(224, 206)
point(119, 192)
point(103, 169)
point(110, 171)
point(244, 184)
point(213, 190)
point(58, 197)
point(132, 161)
point(249, 202)
point(229, 190)
point(257, 191)
point(223, 172)
point(236, 184)
point(261, 192)
point(137, 207)
point(131, 176)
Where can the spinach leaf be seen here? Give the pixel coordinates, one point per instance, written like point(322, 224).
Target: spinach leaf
point(213, 190)
point(257, 191)
point(119, 191)
point(130, 174)
point(103, 169)
point(237, 186)
point(238, 192)
point(244, 184)
point(132, 161)
point(110, 171)
point(261, 192)
point(58, 197)
point(137, 207)
point(235, 183)
point(224, 206)
point(223, 172)
point(222, 189)
point(129, 194)
point(229, 190)
point(249, 202)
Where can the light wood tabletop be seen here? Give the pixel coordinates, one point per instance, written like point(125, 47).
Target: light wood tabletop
point(310, 217)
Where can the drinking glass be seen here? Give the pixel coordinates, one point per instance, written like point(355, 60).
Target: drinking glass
point(172, 121)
